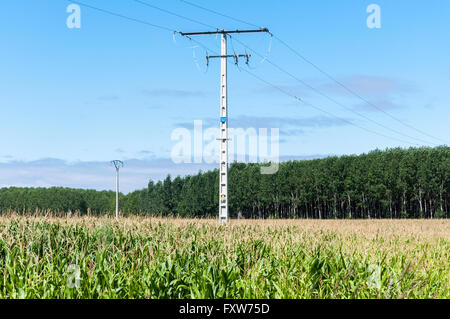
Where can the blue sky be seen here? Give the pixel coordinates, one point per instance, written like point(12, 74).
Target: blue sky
point(73, 99)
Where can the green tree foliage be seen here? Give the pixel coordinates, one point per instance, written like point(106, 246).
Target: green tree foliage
point(395, 183)
point(56, 199)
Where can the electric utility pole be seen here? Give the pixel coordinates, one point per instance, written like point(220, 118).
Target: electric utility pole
point(117, 164)
point(223, 179)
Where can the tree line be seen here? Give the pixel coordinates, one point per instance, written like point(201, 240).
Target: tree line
point(395, 183)
point(57, 200)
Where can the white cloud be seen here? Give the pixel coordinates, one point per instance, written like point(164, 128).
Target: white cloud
point(91, 175)
point(134, 175)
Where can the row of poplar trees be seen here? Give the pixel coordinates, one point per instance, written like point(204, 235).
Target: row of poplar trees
point(395, 183)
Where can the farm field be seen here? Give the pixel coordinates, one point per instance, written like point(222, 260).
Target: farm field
point(83, 257)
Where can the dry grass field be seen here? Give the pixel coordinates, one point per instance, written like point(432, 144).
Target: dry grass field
point(45, 257)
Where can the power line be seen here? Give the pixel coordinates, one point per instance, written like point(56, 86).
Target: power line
point(121, 16)
point(134, 20)
point(324, 73)
point(314, 106)
point(220, 14)
point(206, 48)
point(173, 13)
point(353, 92)
point(330, 98)
point(319, 108)
point(265, 58)
point(323, 110)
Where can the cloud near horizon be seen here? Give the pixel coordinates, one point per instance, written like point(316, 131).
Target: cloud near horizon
point(135, 174)
point(91, 175)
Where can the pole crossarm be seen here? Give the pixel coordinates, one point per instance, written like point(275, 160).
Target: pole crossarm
point(188, 34)
point(117, 164)
point(235, 56)
point(228, 56)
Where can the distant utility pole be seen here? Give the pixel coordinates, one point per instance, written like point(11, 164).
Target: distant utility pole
point(118, 164)
point(223, 180)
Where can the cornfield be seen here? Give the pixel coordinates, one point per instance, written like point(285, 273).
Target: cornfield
point(83, 257)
